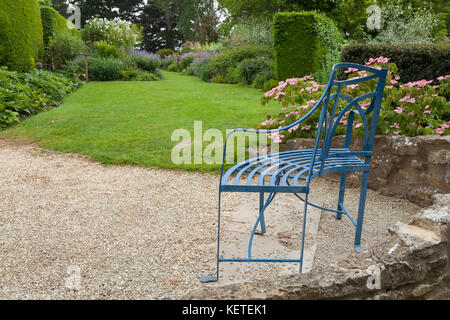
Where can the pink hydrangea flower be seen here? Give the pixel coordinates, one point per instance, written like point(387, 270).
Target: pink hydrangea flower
point(307, 127)
point(399, 110)
point(350, 70)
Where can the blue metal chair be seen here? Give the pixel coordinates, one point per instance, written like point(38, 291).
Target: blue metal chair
point(292, 171)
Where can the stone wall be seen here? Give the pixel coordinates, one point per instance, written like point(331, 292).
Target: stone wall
point(411, 168)
point(412, 263)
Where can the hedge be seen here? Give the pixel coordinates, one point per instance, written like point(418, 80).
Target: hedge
point(20, 34)
point(53, 22)
point(414, 61)
point(305, 43)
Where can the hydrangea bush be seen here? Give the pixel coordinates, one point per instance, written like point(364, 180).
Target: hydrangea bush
point(410, 109)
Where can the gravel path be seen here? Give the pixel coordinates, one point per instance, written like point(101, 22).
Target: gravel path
point(140, 233)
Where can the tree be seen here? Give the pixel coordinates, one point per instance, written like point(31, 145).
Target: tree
point(205, 28)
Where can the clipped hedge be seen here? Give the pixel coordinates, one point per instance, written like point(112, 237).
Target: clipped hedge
point(53, 22)
point(414, 61)
point(305, 43)
point(20, 34)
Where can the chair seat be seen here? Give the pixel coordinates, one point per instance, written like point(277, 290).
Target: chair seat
point(286, 172)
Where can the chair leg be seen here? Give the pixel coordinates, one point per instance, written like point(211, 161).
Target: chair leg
point(262, 222)
point(362, 204)
point(206, 278)
point(303, 234)
point(341, 195)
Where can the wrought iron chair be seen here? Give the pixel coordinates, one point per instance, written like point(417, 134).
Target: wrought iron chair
point(292, 171)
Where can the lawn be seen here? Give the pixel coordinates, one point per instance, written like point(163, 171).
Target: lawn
point(132, 122)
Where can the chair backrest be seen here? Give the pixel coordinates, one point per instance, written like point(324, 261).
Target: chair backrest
point(331, 115)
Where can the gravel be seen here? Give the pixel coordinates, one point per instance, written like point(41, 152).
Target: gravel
point(141, 233)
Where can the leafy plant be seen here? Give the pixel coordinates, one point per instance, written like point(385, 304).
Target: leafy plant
point(106, 50)
point(102, 69)
point(64, 47)
point(24, 94)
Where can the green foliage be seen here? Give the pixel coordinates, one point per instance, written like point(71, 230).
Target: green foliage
point(320, 5)
point(252, 30)
point(256, 8)
point(351, 17)
point(248, 69)
point(172, 67)
point(411, 109)
point(102, 69)
point(24, 94)
point(407, 26)
point(116, 32)
point(305, 43)
point(262, 78)
point(147, 76)
point(54, 23)
point(145, 60)
point(269, 84)
point(185, 61)
point(163, 53)
point(415, 62)
point(231, 57)
point(106, 50)
point(20, 34)
point(64, 47)
point(139, 75)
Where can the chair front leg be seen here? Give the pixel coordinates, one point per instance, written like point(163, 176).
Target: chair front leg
point(340, 205)
point(262, 221)
point(362, 204)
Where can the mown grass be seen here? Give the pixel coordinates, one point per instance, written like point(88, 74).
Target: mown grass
point(132, 122)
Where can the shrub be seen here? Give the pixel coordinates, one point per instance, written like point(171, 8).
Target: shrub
point(172, 67)
point(53, 23)
point(406, 26)
point(129, 74)
point(207, 71)
point(189, 71)
point(197, 47)
point(24, 94)
point(305, 43)
point(164, 53)
point(185, 60)
point(20, 34)
point(411, 109)
point(231, 57)
point(106, 50)
point(147, 76)
point(167, 61)
point(208, 64)
point(145, 60)
point(201, 59)
point(252, 30)
point(414, 62)
point(262, 78)
point(117, 32)
point(102, 69)
point(249, 68)
point(269, 84)
point(64, 47)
